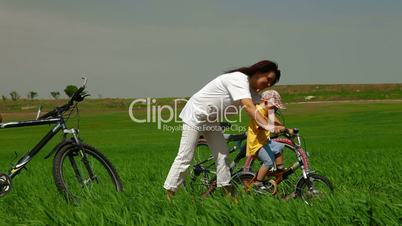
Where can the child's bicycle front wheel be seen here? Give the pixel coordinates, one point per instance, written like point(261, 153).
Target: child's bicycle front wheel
point(315, 187)
point(84, 172)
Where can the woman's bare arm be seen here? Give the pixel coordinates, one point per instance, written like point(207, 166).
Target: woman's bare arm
point(278, 122)
point(251, 110)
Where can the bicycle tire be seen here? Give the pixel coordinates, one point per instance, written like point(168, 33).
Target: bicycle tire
point(72, 150)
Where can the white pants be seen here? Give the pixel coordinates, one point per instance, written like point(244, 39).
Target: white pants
point(217, 144)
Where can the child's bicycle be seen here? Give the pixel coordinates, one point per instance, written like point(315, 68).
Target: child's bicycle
point(308, 186)
point(77, 167)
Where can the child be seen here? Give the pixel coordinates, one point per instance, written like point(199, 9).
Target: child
point(258, 139)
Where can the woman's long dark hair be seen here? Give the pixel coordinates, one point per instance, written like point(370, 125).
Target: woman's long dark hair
point(263, 66)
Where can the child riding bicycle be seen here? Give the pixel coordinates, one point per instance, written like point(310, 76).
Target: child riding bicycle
point(258, 139)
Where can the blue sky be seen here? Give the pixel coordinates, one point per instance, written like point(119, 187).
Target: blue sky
point(172, 48)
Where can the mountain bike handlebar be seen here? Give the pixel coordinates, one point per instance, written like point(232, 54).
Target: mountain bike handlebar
point(76, 97)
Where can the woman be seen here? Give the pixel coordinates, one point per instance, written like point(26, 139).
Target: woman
point(237, 87)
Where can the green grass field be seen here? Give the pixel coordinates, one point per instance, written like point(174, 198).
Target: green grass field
point(357, 145)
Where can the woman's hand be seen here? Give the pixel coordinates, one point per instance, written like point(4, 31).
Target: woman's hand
point(279, 129)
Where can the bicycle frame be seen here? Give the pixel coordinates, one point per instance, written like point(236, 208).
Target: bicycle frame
point(233, 149)
point(26, 158)
point(198, 168)
point(292, 141)
point(301, 154)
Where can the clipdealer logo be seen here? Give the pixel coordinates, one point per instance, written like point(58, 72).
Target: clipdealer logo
point(155, 113)
point(164, 114)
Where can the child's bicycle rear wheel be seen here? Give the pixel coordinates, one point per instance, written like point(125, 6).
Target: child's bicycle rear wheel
point(85, 172)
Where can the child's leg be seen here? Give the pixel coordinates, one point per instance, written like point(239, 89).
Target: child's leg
point(262, 172)
point(267, 163)
point(279, 160)
point(277, 149)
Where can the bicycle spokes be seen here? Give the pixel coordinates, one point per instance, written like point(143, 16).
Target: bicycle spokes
point(84, 173)
point(75, 168)
point(5, 184)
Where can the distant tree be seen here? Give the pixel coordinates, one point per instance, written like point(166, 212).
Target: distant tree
point(14, 95)
point(32, 94)
point(70, 90)
point(55, 94)
point(4, 98)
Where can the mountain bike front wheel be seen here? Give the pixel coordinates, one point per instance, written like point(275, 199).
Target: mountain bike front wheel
point(84, 171)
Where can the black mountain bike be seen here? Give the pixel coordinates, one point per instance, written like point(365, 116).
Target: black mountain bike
point(78, 168)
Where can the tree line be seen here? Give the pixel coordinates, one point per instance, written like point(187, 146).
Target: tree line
point(14, 95)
